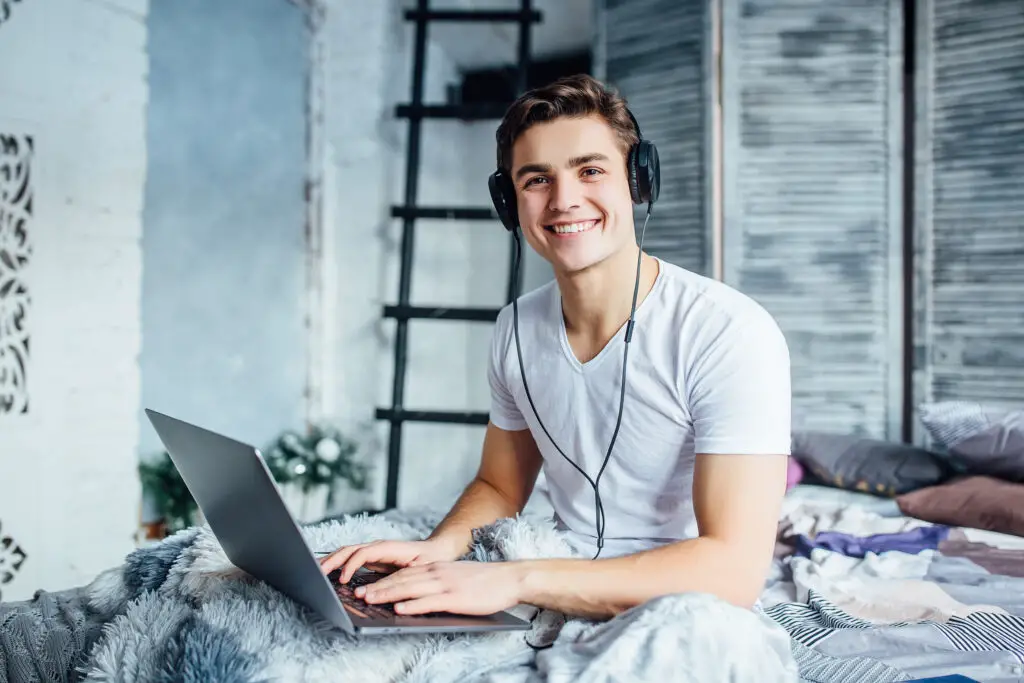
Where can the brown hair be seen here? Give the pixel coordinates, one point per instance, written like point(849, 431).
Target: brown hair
point(571, 96)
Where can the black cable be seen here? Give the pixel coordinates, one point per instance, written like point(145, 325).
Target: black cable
point(594, 483)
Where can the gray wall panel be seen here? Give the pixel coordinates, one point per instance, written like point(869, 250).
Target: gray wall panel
point(969, 247)
point(656, 53)
point(812, 165)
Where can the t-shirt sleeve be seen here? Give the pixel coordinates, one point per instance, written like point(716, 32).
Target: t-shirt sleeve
point(740, 389)
point(505, 414)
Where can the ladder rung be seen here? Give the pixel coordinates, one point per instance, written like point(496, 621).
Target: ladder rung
point(466, 112)
point(474, 15)
point(461, 213)
point(441, 313)
point(440, 416)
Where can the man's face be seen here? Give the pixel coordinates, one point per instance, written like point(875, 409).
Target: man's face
point(573, 196)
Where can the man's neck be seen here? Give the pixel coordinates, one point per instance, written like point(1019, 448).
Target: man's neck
point(596, 302)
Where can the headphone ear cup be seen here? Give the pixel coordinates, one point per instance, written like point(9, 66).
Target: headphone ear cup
point(633, 171)
point(645, 172)
point(503, 196)
point(653, 168)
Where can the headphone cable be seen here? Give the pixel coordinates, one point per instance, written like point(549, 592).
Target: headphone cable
point(594, 483)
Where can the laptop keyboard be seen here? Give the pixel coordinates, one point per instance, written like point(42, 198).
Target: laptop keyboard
point(385, 610)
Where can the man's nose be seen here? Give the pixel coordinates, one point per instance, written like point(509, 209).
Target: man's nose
point(565, 196)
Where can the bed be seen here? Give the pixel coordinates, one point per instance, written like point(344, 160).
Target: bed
point(177, 610)
point(950, 602)
point(863, 588)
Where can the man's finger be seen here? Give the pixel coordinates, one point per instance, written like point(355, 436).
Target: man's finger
point(439, 602)
point(407, 590)
point(397, 577)
point(337, 558)
point(371, 553)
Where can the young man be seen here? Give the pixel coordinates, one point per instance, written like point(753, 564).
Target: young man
point(692, 491)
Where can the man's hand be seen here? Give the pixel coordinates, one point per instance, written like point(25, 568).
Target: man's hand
point(476, 588)
point(393, 553)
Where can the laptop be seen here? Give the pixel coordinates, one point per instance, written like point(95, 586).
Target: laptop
point(235, 491)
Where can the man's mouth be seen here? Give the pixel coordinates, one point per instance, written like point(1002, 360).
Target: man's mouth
point(573, 228)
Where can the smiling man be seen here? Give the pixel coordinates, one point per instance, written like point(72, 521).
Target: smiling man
point(692, 489)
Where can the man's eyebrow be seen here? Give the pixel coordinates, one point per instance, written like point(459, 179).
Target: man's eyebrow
point(573, 163)
point(586, 159)
point(532, 168)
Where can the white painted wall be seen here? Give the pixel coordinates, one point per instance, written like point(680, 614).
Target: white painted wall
point(74, 78)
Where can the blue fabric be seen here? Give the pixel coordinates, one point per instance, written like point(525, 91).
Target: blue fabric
point(912, 542)
point(953, 678)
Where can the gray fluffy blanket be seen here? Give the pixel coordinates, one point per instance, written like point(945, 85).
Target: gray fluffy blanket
point(179, 611)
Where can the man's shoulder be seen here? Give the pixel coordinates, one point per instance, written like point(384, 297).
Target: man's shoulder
point(704, 300)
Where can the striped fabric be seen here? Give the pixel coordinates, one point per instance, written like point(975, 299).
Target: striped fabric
point(818, 667)
point(950, 422)
point(812, 623)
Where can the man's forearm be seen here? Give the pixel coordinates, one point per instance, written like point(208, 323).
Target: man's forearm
point(602, 588)
point(479, 505)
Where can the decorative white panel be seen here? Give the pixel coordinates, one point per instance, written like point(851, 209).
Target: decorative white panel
point(15, 253)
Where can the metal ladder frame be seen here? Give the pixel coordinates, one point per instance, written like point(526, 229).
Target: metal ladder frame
point(416, 111)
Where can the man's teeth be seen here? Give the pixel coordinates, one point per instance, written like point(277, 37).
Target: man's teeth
point(573, 227)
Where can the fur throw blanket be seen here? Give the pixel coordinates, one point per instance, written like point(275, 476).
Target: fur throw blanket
point(180, 611)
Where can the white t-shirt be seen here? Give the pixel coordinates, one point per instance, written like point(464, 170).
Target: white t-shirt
point(708, 372)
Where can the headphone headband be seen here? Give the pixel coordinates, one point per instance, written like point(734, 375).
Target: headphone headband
point(636, 125)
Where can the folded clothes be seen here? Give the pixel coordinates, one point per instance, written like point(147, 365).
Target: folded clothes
point(911, 541)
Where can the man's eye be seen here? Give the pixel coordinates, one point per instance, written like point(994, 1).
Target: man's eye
point(591, 171)
point(533, 181)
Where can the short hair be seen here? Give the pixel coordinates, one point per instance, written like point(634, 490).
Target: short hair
point(571, 96)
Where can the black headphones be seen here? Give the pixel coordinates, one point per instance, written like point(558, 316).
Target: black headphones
point(644, 182)
point(642, 170)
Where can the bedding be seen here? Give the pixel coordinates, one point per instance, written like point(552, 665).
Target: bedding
point(177, 610)
point(931, 612)
point(913, 541)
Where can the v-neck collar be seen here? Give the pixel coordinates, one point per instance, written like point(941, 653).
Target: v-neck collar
point(619, 335)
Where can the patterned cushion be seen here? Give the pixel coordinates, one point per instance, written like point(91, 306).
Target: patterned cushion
point(980, 439)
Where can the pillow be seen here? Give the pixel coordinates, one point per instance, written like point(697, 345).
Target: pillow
point(794, 473)
point(861, 464)
point(980, 439)
point(976, 502)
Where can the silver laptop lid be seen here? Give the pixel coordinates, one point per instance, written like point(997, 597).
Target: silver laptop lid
point(241, 502)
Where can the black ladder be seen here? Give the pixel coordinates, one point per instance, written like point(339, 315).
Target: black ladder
point(415, 111)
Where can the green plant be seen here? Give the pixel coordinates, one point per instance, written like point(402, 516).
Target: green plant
point(321, 457)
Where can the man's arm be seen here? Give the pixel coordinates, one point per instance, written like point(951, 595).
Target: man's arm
point(737, 501)
point(509, 466)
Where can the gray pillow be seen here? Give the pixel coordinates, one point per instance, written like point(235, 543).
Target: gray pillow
point(875, 466)
point(981, 439)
